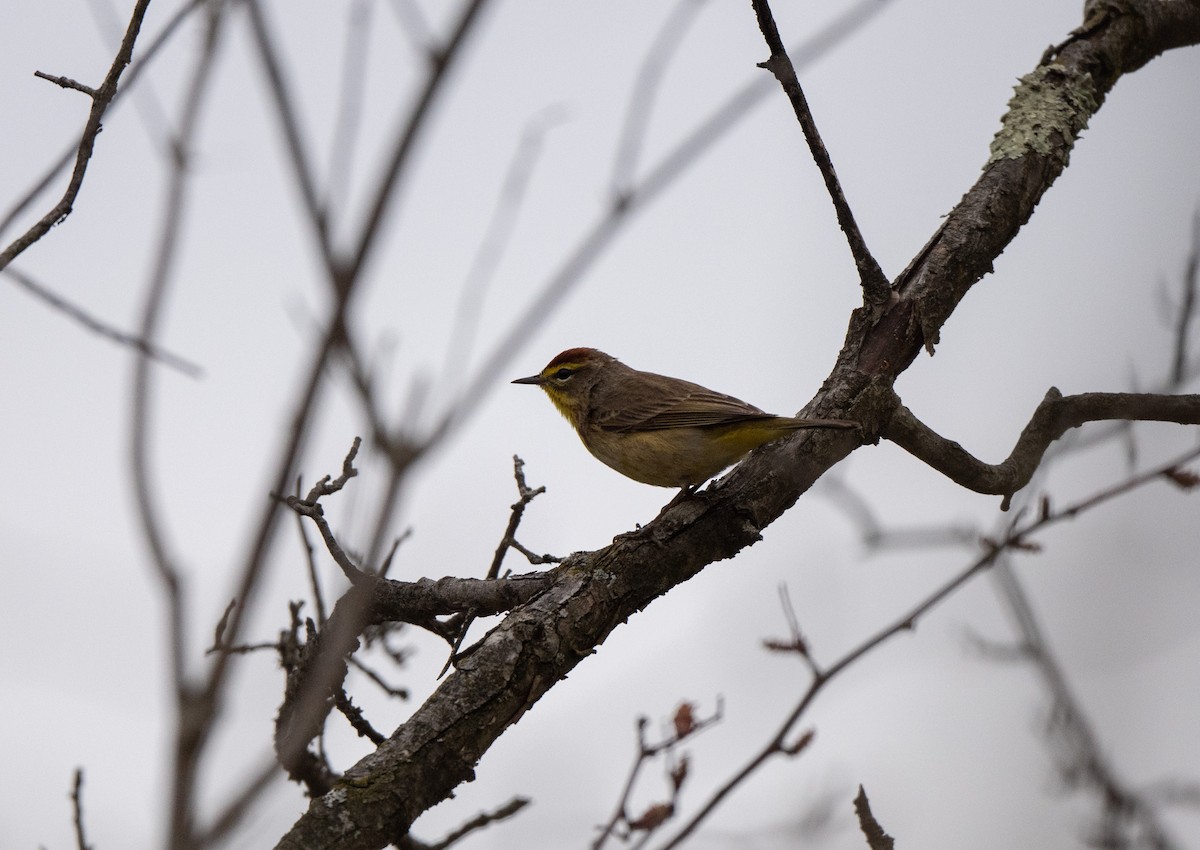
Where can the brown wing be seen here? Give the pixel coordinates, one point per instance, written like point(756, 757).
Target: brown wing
point(673, 403)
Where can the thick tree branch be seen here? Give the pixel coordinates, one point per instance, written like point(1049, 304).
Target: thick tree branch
point(1056, 415)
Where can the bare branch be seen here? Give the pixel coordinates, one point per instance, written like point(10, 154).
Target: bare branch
point(508, 541)
point(81, 842)
point(877, 838)
point(876, 290)
point(195, 708)
point(68, 83)
point(144, 60)
point(102, 328)
point(310, 506)
point(1054, 416)
point(527, 494)
point(684, 725)
point(354, 714)
point(478, 822)
point(101, 99)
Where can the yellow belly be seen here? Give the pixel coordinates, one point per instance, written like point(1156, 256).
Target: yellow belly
point(678, 457)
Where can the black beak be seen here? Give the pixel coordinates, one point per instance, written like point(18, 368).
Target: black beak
point(532, 379)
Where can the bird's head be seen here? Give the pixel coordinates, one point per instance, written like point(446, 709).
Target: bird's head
point(568, 380)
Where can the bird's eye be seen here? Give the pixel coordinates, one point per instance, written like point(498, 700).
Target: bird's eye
point(562, 374)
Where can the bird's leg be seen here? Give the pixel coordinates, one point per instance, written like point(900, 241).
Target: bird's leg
point(679, 497)
point(676, 499)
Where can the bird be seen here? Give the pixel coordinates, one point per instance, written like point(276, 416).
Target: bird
point(655, 429)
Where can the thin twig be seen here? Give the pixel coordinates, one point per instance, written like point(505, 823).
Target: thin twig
point(481, 820)
point(310, 559)
point(145, 58)
point(81, 842)
point(876, 289)
point(310, 506)
point(684, 725)
point(390, 690)
point(507, 541)
point(101, 97)
point(357, 719)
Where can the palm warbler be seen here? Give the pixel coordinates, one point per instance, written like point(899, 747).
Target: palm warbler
point(654, 429)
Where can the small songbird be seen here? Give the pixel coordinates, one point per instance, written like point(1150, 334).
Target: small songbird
point(658, 430)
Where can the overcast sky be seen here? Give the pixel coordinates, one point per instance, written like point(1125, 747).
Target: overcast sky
point(736, 277)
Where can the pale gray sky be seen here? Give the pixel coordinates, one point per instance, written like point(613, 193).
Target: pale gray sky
point(745, 250)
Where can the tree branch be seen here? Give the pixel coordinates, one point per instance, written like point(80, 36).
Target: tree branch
point(101, 98)
point(1056, 415)
point(876, 290)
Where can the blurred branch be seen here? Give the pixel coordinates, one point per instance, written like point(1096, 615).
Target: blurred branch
point(872, 530)
point(1055, 415)
point(645, 91)
point(195, 711)
point(481, 820)
point(1189, 283)
point(1080, 754)
point(684, 725)
point(101, 98)
point(1016, 538)
point(303, 171)
point(491, 247)
point(389, 181)
point(1127, 818)
point(414, 25)
point(344, 278)
point(349, 110)
point(101, 328)
point(876, 289)
point(315, 677)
